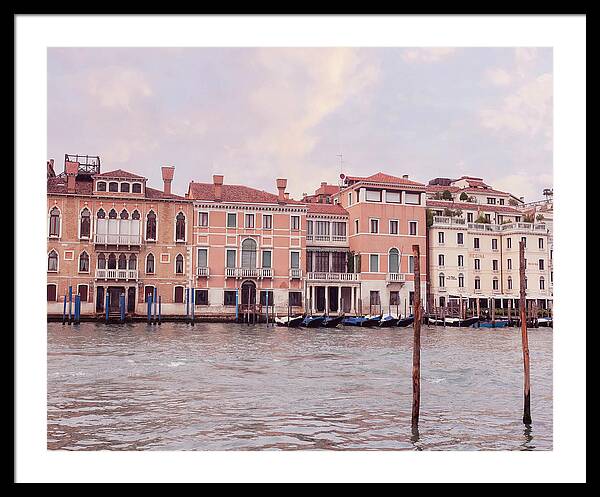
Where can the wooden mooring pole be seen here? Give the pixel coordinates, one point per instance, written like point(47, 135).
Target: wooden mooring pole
point(524, 340)
point(416, 369)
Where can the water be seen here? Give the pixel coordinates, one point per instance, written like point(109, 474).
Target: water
point(235, 387)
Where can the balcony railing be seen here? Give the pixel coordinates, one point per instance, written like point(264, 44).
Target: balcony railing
point(203, 272)
point(295, 273)
point(246, 272)
point(395, 277)
point(325, 276)
point(117, 274)
point(326, 238)
point(448, 220)
point(109, 239)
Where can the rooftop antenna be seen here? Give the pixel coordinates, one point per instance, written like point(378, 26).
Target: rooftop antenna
point(341, 156)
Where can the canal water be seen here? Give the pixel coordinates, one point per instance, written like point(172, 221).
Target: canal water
point(239, 387)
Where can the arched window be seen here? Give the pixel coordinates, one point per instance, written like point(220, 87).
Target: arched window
point(180, 227)
point(112, 261)
point(179, 264)
point(113, 186)
point(54, 222)
point(495, 284)
point(132, 261)
point(249, 253)
point(112, 214)
point(442, 279)
point(101, 261)
point(101, 214)
point(509, 283)
point(125, 187)
point(150, 264)
point(84, 262)
point(85, 224)
point(393, 261)
point(477, 283)
point(135, 215)
point(52, 261)
point(136, 188)
point(151, 226)
point(542, 283)
point(124, 214)
point(461, 261)
point(441, 260)
point(122, 261)
point(461, 280)
point(101, 186)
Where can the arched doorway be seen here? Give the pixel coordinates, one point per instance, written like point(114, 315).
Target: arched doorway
point(248, 294)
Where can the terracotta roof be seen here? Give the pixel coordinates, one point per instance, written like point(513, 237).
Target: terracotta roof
point(472, 206)
point(318, 208)
point(58, 184)
point(327, 190)
point(384, 178)
point(118, 173)
point(234, 193)
point(441, 188)
point(159, 194)
point(489, 189)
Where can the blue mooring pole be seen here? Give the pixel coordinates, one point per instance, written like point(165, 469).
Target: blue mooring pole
point(149, 297)
point(159, 307)
point(267, 306)
point(187, 304)
point(77, 308)
point(193, 304)
point(122, 306)
point(155, 302)
point(65, 309)
point(237, 305)
point(107, 304)
point(70, 302)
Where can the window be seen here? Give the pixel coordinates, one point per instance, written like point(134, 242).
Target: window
point(295, 221)
point(132, 262)
point(268, 222)
point(442, 301)
point(295, 299)
point(442, 280)
point(112, 214)
point(411, 298)
point(53, 261)
point(541, 264)
point(101, 214)
point(83, 293)
point(179, 264)
point(510, 283)
point(461, 280)
point(411, 263)
point(321, 262)
point(412, 198)
point(51, 292)
point(374, 297)
point(495, 265)
point(469, 217)
point(540, 243)
point(461, 261)
point(393, 227)
point(440, 237)
point(112, 261)
point(136, 188)
point(392, 197)
point(135, 216)
point(180, 227)
point(395, 298)
point(441, 260)
point(476, 243)
point(201, 297)
point(374, 263)
point(249, 253)
point(322, 228)
point(101, 261)
point(491, 200)
point(178, 295)
point(477, 284)
point(509, 243)
point(373, 195)
point(202, 257)
point(125, 187)
point(229, 297)
point(263, 297)
point(525, 282)
point(249, 220)
point(122, 261)
point(524, 240)
point(494, 244)
point(101, 186)
point(394, 261)
point(230, 259)
point(295, 260)
point(477, 264)
point(113, 186)
point(150, 264)
point(338, 229)
point(349, 199)
point(266, 259)
point(124, 214)
point(356, 226)
point(54, 229)
point(488, 218)
point(231, 219)
point(460, 238)
point(412, 227)
point(374, 225)
point(203, 219)
point(495, 284)
point(501, 201)
point(149, 292)
point(85, 224)
point(84, 263)
point(151, 226)
point(509, 263)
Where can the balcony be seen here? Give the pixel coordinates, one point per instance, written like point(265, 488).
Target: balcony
point(117, 274)
point(295, 273)
point(395, 277)
point(246, 272)
point(115, 239)
point(202, 272)
point(445, 220)
point(337, 277)
point(324, 239)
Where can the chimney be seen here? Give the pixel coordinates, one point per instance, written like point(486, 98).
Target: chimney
point(405, 176)
point(323, 183)
point(522, 199)
point(218, 182)
point(281, 184)
point(286, 195)
point(71, 169)
point(167, 176)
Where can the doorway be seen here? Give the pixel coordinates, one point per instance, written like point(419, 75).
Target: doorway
point(114, 292)
point(248, 294)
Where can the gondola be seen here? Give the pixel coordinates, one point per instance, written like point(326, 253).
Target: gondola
point(403, 322)
point(545, 322)
point(371, 321)
point(353, 320)
point(387, 321)
point(332, 322)
point(313, 321)
point(469, 321)
point(290, 322)
point(490, 324)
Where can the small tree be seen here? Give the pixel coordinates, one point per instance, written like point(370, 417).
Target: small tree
point(464, 197)
point(512, 201)
point(540, 217)
point(446, 195)
point(429, 214)
point(481, 219)
point(350, 261)
point(528, 218)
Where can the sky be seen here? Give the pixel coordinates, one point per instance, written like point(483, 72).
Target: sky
point(256, 114)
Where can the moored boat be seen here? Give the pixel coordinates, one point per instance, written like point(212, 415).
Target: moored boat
point(469, 321)
point(332, 322)
point(545, 322)
point(353, 320)
point(371, 320)
point(407, 321)
point(313, 321)
point(290, 322)
point(387, 321)
point(490, 324)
